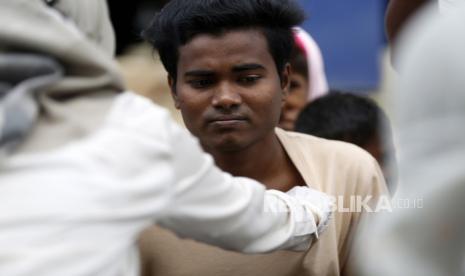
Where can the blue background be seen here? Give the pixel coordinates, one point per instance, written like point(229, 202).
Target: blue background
point(352, 40)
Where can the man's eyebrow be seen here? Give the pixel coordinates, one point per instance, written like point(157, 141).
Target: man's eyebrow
point(199, 73)
point(247, 67)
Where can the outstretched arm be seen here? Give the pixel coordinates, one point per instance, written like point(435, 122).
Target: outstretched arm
point(189, 195)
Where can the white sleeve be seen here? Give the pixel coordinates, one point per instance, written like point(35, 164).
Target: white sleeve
point(212, 206)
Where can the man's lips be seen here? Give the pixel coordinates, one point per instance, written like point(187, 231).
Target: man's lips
point(227, 118)
point(227, 121)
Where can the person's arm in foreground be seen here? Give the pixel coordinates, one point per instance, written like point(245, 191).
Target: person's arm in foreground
point(200, 201)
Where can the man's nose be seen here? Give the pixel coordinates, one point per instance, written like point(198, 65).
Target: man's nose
point(226, 97)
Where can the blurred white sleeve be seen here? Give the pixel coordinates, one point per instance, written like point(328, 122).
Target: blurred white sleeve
point(426, 239)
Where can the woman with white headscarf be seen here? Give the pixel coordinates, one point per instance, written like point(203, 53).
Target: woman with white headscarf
point(77, 186)
point(308, 78)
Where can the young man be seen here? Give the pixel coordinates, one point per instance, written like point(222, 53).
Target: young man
point(227, 64)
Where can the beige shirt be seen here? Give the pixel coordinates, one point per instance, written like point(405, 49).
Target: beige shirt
point(337, 168)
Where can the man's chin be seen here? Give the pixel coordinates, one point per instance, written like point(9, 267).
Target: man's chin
point(225, 144)
point(229, 146)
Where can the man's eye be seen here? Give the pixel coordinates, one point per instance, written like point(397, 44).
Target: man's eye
point(198, 84)
point(248, 80)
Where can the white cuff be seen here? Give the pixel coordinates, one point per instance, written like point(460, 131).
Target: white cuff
point(310, 210)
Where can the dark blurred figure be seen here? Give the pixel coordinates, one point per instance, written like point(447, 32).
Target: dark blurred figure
point(402, 12)
point(353, 119)
point(398, 13)
point(129, 18)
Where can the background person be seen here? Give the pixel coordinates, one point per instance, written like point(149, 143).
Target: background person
point(353, 119)
point(308, 79)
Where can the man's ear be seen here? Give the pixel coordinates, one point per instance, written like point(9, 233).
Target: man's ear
point(286, 80)
point(172, 85)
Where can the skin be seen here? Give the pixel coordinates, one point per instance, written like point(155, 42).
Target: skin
point(375, 148)
point(230, 96)
point(295, 102)
point(382, 151)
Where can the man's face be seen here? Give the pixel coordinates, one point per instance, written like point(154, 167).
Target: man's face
point(228, 89)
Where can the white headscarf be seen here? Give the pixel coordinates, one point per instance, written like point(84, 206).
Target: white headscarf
point(316, 72)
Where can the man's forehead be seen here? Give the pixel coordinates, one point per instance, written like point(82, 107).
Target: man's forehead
point(232, 41)
point(240, 47)
point(257, 32)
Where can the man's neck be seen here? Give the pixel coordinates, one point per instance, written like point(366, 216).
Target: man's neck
point(265, 161)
